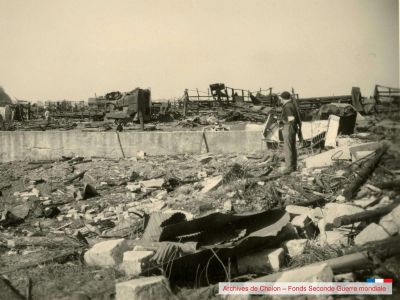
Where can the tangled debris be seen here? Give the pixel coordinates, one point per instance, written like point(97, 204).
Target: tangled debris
point(179, 224)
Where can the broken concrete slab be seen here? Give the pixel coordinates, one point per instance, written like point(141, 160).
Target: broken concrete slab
point(373, 232)
point(134, 262)
point(372, 146)
point(145, 288)
point(211, 183)
point(326, 159)
point(361, 154)
point(314, 273)
point(296, 247)
point(152, 183)
point(106, 254)
point(298, 210)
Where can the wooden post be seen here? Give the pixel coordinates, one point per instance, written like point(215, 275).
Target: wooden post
point(185, 100)
point(362, 175)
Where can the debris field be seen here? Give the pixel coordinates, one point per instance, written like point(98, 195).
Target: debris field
point(172, 227)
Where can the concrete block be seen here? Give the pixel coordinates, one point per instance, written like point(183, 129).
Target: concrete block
point(145, 288)
point(335, 238)
point(324, 159)
point(298, 210)
point(373, 232)
point(276, 259)
point(296, 247)
point(134, 262)
point(106, 254)
point(314, 273)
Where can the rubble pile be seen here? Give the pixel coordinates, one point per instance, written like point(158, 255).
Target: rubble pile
point(158, 227)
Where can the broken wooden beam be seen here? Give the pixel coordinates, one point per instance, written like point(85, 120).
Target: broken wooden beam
point(48, 242)
point(365, 215)
point(79, 175)
point(363, 174)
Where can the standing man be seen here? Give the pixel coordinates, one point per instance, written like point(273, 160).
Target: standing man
point(291, 125)
point(47, 115)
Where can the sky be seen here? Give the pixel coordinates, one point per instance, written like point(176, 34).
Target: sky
point(72, 49)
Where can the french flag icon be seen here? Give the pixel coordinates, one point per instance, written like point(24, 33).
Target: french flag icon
point(380, 280)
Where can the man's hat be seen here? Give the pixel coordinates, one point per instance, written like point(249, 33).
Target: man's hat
point(285, 95)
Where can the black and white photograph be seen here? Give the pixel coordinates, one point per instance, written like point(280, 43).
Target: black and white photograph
point(199, 149)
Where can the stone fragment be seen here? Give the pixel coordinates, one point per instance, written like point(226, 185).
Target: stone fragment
point(20, 211)
point(211, 183)
point(134, 262)
point(140, 155)
point(133, 186)
point(228, 206)
point(106, 254)
point(296, 247)
point(373, 232)
point(144, 288)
